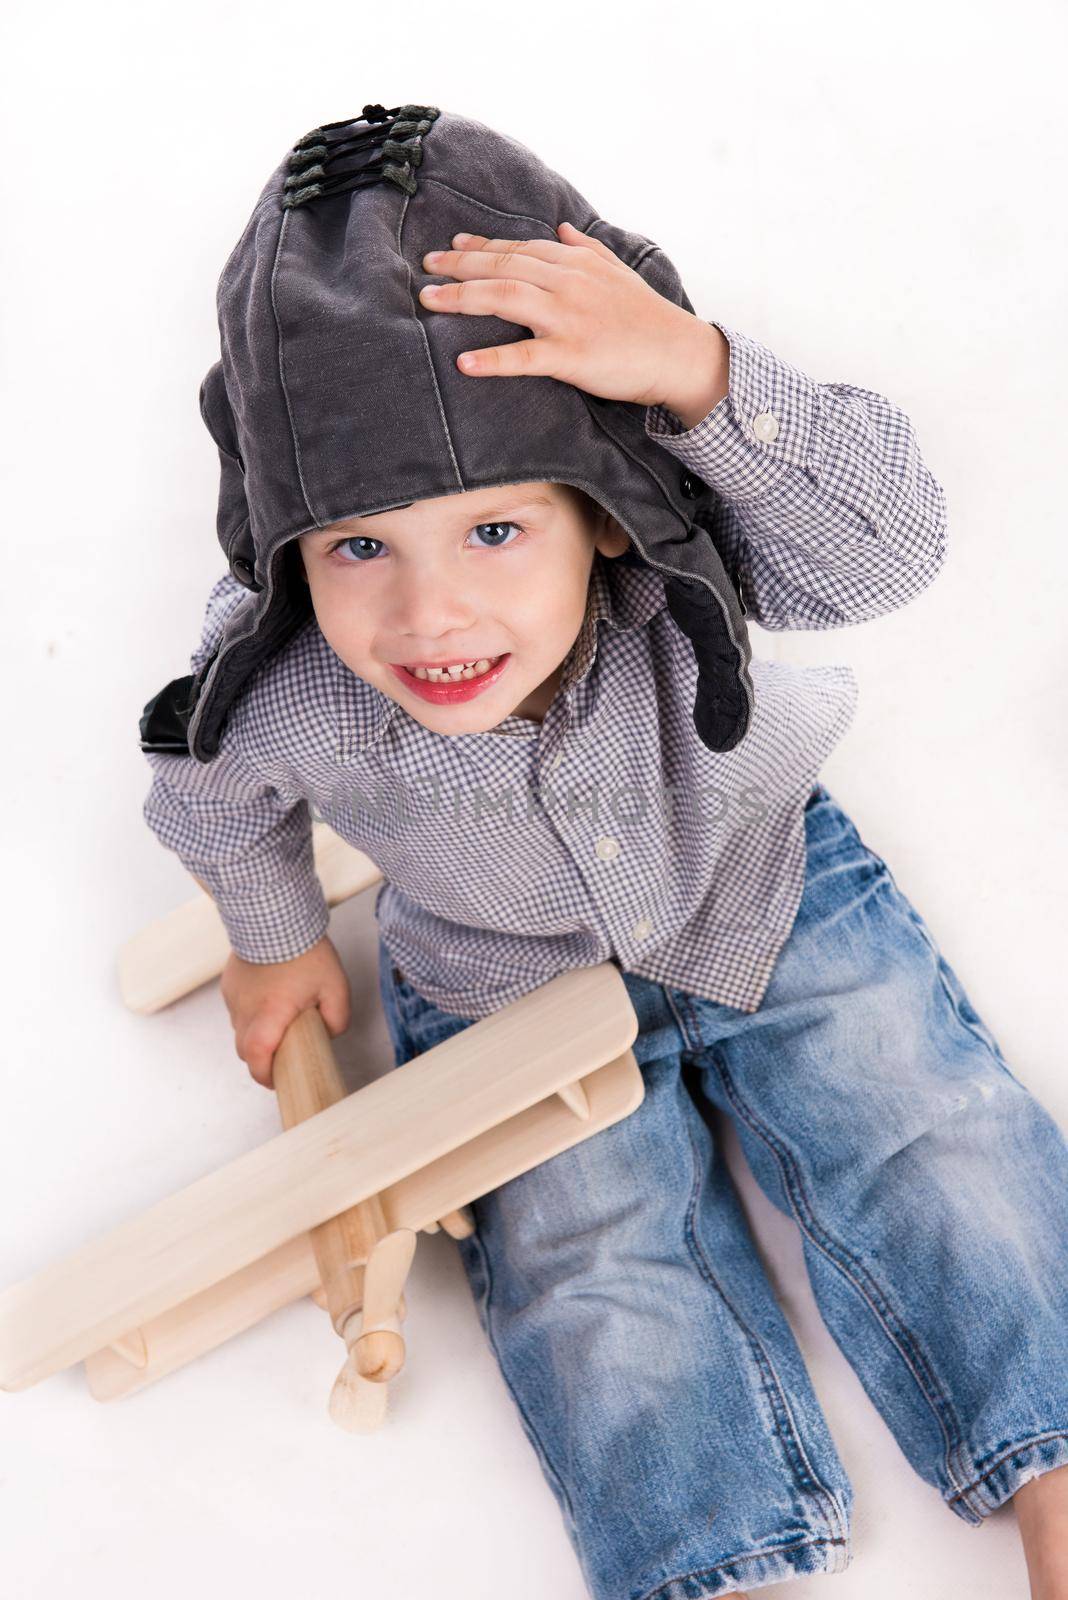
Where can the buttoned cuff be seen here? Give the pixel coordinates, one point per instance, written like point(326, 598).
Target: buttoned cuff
point(764, 424)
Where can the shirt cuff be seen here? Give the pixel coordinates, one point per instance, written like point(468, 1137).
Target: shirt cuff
point(764, 424)
point(276, 923)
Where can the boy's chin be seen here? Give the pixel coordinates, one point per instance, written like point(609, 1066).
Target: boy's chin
point(466, 716)
point(461, 718)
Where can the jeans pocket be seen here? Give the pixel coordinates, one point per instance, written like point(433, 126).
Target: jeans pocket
point(403, 1007)
point(404, 993)
point(409, 1003)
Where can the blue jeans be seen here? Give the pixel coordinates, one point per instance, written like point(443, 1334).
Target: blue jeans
point(618, 1283)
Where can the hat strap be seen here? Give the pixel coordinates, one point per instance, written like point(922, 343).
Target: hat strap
point(395, 136)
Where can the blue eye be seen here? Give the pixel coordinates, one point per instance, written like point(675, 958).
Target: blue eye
point(501, 542)
point(356, 540)
point(360, 547)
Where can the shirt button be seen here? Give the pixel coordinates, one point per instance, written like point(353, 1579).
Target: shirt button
point(607, 848)
point(556, 760)
point(766, 427)
point(642, 929)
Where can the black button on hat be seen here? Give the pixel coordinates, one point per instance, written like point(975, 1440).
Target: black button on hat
point(245, 573)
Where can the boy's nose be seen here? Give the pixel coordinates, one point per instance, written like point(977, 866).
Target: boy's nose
point(431, 609)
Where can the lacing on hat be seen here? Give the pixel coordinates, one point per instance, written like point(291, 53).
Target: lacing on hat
point(393, 138)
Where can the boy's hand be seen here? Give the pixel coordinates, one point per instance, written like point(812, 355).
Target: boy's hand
point(263, 999)
point(596, 323)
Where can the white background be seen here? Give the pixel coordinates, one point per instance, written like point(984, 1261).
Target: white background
point(874, 193)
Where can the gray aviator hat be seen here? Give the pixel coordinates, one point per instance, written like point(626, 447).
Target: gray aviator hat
point(338, 395)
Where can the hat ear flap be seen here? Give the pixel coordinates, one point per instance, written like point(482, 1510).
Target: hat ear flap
point(721, 709)
point(233, 523)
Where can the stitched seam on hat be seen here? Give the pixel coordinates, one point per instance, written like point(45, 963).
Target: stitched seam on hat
point(282, 372)
point(257, 208)
point(652, 250)
point(485, 204)
point(426, 348)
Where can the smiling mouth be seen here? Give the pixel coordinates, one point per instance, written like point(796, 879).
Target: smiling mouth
point(451, 672)
point(447, 688)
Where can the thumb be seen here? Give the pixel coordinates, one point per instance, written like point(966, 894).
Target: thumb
point(335, 1008)
point(261, 1038)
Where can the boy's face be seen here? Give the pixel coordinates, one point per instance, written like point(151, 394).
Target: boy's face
point(495, 574)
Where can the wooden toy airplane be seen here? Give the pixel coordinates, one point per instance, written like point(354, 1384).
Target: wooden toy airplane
point(331, 1206)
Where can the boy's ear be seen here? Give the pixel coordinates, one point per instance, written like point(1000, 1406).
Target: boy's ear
point(610, 537)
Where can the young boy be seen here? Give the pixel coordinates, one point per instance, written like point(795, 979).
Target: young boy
point(493, 634)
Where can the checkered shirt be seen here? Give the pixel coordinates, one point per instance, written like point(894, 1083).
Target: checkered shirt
point(608, 832)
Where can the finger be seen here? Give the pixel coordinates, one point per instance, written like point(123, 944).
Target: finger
point(261, 1067)
point(335, 1009)
point(509, 298)
point(259, 1042)
point(537, 260)
point(552, 247)
point(548, 249)
point(526, 358)
point(574, 236)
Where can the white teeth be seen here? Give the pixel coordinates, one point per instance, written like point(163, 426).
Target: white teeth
point(453, 673)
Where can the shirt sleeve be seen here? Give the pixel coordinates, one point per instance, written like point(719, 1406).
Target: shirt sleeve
point(825, 511)
point(250, 845)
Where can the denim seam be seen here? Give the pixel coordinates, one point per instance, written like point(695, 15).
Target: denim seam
point(901, 902)
point(990, 1047)
point(904, 1341)
point(680, 1024)
point(829, 1543)
point(782, 1416)
point(487, 1273)
point(972, 1494)
point(985, 1038)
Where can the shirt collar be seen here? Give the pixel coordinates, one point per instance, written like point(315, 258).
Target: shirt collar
point(623, 592)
